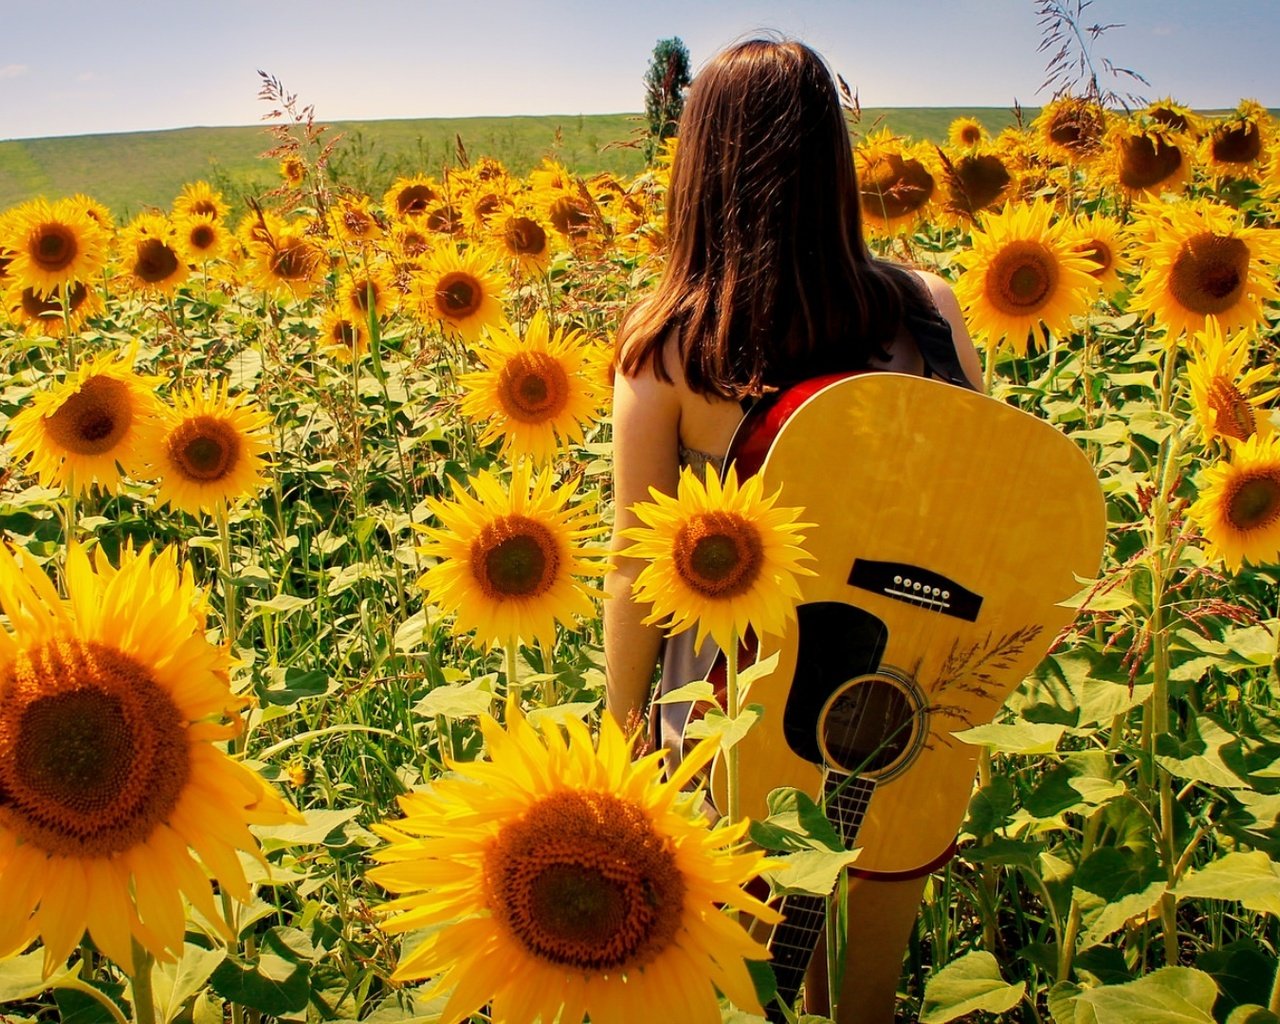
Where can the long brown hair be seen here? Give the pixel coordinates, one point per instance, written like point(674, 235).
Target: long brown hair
point(768, 278)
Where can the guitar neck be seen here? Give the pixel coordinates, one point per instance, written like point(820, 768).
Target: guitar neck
point(845, 798)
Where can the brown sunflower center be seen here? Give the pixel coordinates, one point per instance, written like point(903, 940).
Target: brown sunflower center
point(345, 333)
point(41, 306)
point(896, 187)
point(1077, 128)
point(1169, 117)
point(570, 216)
point(584, 880)
point(970, 134)
point(294, 260)
point(1022, 278)
point(53, 247)
point(414, 199)
point(1209, 273)
point(205, 208)
point(360, 292)
point(1233, 415)
point(94, 419)
point(1236, 143)
point(977, 182)
point(414, 244)
point(487, 205)
point(1145, 162)
point(718, 554)
point(1253, 502)
point(204, 448)
point(533, 387)
point(458, 294)
point(358, 223)
point(93, 752)
point(202, 237)
point(154, 261)
point(515, 556)
point(1097, 252)
point(525, 237)
point(445, 219)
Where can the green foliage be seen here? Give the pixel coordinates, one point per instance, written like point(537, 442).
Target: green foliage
point(665, 81)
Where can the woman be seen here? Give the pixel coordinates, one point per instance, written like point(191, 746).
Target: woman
point(768, 281)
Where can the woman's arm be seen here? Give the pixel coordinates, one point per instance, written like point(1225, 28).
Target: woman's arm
point(949, 306)
point(646, 424)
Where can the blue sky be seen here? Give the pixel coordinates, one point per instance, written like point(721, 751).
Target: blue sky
point(72, 67)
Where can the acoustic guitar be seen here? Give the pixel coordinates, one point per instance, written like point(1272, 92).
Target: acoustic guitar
point(950, 526)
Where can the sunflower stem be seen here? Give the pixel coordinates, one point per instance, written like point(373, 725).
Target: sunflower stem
point(989, 369)
point(144, 1002)
point(67, 336)
point(732, 701)
point(513, 685)
point(230, 595)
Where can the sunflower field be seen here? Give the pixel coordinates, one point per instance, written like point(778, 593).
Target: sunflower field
point(305, 511)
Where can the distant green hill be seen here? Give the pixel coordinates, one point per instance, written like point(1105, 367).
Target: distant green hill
point(132, 170)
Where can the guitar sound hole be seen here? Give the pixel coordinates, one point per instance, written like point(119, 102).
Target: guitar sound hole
point(868, 726)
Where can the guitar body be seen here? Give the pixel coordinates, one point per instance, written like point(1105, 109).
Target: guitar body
point(950, 526)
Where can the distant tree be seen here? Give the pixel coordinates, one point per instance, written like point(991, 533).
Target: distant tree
point(664, 85)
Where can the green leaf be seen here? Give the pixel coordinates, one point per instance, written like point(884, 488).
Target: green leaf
point(729, 730)
point(1171, 995)
point(22, 977)
point(1112, 873)
point(699, 689)
point(1243, 972)
point(1251, 878)
point(411, 633)
point(1018, 738)
point(1198, 756)
point(173, 984)
point(295, 684)
point(808, 871)
point(795, 822)
point(281, 604)
point(990, 807)
point(1000, 850)
point(458, 700)
point(968, 985)
point(1065, 1006)
point(318, 827)
point(1102, 917)
point(271, 983)
point(1251, 1013)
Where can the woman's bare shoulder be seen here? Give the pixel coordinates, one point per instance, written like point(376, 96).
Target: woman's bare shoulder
point(944, 298)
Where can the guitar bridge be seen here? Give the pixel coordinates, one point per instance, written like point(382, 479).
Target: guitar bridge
point(914, 585)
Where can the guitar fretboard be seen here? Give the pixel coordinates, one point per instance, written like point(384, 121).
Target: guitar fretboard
point(845, 798)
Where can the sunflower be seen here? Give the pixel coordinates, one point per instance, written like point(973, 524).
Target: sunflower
point(896, 181)
point(1202, 262)
point(113, 706)
point(411, 197)
point(43, 314)
point(443, 219)
point(1174, 116)
point(559, 879)
point(1239, 507)
point(150, 256)
point(1022, 271)
point(364, 282)
point(53, 244)
point(1146, 159)
point(483, 206)
point(207, 451)
point(346, 338)
point(95, 211)
point(459, 291)
point(966, 133)
point(293, 170)
point(522, 240)
point(201, 237)
point(354, 221)
point(198, 199)
point(976, 181)
point(77, 431)
point(537, 392)
point(1220, 386)
point(1101, 240)
point(285, 259)
point(510, 568)
point(720, 555)
point(1070, 129)
point(1237, 146)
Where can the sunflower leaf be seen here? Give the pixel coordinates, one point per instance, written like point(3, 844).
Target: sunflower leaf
point(967, 985)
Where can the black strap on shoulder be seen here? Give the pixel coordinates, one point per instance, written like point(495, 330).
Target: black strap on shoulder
point(937, 347)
